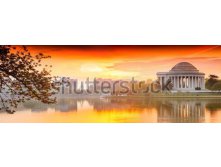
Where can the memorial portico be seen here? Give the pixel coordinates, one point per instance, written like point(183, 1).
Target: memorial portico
point(184, 77)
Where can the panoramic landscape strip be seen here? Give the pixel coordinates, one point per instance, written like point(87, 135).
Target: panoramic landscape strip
point(110, 83)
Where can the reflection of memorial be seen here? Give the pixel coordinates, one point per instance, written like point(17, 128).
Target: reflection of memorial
point(181, 111)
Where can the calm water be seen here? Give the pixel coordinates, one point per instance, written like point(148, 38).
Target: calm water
point(119, 110)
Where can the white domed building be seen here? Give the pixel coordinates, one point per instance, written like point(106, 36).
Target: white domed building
point(184, 77)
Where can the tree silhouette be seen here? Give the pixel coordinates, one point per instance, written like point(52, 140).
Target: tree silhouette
point(22, 78)
point(213, 76)
point(211, 81)
point(217, 86)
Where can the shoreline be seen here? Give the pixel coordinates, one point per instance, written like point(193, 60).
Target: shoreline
point(160, 95)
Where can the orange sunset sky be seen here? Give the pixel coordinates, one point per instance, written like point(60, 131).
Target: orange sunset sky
point(124, 62)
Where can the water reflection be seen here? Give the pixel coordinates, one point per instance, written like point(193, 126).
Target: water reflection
point(121, 110)
point(62, 105)
point(181, 111)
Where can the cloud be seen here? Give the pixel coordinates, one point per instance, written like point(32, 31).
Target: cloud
point(150, 68)
point(92, 68)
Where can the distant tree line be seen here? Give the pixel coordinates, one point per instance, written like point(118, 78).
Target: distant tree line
point(213, 83)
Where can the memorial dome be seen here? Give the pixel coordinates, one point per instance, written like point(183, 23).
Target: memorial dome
point(184, 67)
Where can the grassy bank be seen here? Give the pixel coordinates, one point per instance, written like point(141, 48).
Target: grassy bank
point(175, 95)
point(188, 95)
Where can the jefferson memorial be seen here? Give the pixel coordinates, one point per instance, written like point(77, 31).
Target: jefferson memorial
point(184, 77)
